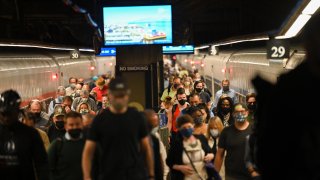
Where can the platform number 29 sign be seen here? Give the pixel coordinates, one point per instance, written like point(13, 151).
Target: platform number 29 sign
point(278, 49)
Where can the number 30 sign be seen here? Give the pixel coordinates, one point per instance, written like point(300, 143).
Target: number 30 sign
point(278, 49)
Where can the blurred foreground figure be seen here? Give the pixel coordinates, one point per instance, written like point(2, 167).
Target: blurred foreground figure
point(288, 123)
point(22, 153)
point(122, 134)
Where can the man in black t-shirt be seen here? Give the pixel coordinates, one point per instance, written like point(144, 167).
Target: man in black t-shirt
point(122, 135)
point(22, 153)
point(233, 140)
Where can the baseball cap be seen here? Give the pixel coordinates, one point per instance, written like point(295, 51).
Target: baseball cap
point(59, 111)
point(118, 87)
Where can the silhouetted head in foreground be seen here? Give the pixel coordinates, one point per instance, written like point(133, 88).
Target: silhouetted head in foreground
point(311, 36)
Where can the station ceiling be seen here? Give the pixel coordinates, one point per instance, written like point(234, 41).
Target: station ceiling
point(195, 21)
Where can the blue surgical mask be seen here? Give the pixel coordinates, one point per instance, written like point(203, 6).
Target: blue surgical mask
point(186, 132)
point(239, 117)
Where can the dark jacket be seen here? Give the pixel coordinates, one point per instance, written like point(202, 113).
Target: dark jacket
point(22, 154)
point(175, 155)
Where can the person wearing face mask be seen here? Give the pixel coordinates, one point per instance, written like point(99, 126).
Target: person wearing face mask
point(224, 111)
point(61, 92)
point(225, 91)
point(65, 153)
point(100, 89)
point(35, 108)
point(71, 89)
point(204, 96)
point(171, 90)
point(233, 141)
point(122, 134)
point(84, 109)
point(188, 87)
point(206, 114)
point(176, 111)
point(200, 127)
point(56, 129)
point(214, 130)
point(84, 98)
point(22, 153)
point(252, 106)
point(188, 155)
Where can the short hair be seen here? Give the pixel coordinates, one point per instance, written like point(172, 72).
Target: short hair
point(72, 114)
point(180, 91)
point(242, 105)
point(192, 95)
point(186, 118)
point(61, 88)
point(225, 80)
point(73, 78)
point(34, 101)
point(250, 95)
point(176, 77)
point(67, 98)
point(192, 109)
point(84, 92)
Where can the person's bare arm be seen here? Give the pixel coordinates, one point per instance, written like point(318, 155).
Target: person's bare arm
point(169, 115)
point(146, 147)
point(219, 159)
point(87, 157)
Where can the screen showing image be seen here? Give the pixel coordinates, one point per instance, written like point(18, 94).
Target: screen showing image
point(137, 25)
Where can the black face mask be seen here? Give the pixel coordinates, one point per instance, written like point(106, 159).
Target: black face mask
point(37, 115)
point(198, 89)
point(225, 88)
point(226, 110)
point(75, 133)
point(182, 102)
point(252, 107)
point(175, 86)
point(60, 124)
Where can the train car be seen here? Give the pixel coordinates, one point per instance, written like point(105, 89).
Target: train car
point(36, 73)
point(240, 67)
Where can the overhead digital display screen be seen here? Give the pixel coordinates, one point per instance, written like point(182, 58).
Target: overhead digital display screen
point(186, 49)
point(137, 25)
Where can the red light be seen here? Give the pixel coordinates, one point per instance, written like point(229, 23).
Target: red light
point(92, 68)
point(54, 76)
point(223, 70)
point(111, 64)
point(174, 57)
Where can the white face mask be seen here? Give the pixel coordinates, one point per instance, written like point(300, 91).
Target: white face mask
point(214, 133)
point(84, 100)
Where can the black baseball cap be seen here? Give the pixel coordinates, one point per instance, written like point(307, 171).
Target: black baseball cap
point(118, 87)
